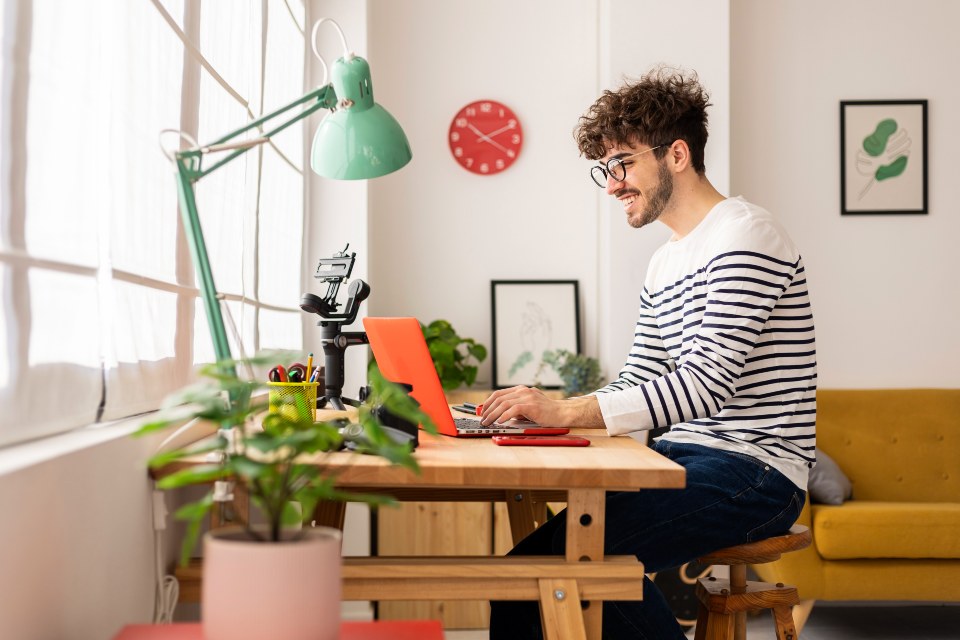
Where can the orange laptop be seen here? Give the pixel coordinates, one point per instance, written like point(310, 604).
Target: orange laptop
point(402, 356)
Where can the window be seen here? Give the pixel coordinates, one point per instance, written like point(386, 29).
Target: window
point(100, 313)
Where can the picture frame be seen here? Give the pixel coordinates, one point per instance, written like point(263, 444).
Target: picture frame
point(883, 157)
point(529, 317)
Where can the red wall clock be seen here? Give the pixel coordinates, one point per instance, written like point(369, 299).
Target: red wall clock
point(485, 137)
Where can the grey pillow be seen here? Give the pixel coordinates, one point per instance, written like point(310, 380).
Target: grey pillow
point(828, 484)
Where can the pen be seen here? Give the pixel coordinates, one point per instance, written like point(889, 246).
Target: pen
point(470, 405)
point(309, 375)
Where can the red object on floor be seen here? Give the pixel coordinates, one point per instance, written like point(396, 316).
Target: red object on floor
point(378, 630)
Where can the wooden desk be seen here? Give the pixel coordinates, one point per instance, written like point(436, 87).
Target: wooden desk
point(474, 469)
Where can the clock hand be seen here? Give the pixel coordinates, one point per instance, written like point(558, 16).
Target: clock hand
point(482, 135)
point(486, 138)
point(501, 130)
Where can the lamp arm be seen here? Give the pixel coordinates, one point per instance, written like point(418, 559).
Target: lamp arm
point(201, 261)
point(188, 164)
point(325, 98)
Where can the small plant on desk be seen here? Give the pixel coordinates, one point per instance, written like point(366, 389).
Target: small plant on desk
point(580, 373)
point(275, 452)
point(455, 358)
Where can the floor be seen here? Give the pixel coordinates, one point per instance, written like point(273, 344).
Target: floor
point(846, 622)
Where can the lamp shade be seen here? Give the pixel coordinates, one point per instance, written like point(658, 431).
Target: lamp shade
point(360, 139)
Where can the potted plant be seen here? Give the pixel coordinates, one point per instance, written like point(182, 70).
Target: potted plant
point(455, 358)
point(280, 578)
point(580, 373)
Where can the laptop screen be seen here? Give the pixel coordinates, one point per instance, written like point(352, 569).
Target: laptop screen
point(403, 357)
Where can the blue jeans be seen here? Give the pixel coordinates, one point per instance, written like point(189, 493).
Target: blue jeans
point(729, 499)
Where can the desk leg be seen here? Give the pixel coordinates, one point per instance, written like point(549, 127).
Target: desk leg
point(520, 510)
point(236, 513)
point(560, 612)
point(586, 510)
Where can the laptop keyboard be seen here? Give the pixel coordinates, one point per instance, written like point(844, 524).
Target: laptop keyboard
point(473, 424)
point(467, 423)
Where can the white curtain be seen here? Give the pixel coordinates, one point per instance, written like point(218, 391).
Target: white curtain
point(100, 312)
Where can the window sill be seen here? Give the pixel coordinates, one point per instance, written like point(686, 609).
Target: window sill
point(27, 454)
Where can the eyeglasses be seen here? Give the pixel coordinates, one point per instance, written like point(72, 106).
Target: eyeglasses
point(616, 168)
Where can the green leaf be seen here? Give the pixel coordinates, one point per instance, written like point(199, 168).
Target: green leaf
point(291, 514)
point(451, 379)
point(478, 351)
point(215, 443)
point(327, 491)
point(193, 475)
point(469, 375)
point(248, 469)
point(441, 350)
point(194, 514)
point(196, 509)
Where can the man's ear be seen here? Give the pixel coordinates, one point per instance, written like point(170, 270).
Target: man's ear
point(678, 156)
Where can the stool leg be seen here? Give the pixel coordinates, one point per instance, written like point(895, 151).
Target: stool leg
point(801, 612)
point(783, 621)
point(719, 626)
point(738, 584)
point(701, 630)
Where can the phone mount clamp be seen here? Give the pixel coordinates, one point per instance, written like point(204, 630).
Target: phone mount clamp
point(335, 271)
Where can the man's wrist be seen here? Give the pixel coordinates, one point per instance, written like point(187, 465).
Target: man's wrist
point(584, 412)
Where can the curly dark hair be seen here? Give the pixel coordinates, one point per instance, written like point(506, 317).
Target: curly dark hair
point(664, 105)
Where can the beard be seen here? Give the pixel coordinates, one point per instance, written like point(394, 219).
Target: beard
point(658, 200)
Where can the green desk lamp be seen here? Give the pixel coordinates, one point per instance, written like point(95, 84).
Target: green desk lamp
point(358, 140)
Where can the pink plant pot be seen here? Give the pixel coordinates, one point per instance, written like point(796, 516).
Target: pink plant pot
point(257, 590)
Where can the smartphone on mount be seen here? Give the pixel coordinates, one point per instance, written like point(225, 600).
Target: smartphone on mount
point(541, 441)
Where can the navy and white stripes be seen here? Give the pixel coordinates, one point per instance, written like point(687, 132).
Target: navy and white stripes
point(724, 349)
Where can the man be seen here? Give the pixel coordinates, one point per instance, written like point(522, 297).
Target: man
point(723, 355)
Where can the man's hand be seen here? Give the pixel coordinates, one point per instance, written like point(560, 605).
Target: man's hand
point(532, 404)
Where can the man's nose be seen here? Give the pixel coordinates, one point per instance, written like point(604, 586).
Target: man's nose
point(613, 185)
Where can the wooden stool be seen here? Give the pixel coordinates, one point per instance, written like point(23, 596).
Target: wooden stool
point(724, 603)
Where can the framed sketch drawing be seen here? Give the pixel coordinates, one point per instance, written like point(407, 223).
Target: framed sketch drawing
point(883, 156)
point(530, 317)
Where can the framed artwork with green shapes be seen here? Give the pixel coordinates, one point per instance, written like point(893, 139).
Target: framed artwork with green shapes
point(883, 157)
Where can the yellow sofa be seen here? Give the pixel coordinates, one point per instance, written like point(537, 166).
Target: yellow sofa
point(899, 537)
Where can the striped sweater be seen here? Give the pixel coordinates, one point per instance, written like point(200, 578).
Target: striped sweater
point(724, 349)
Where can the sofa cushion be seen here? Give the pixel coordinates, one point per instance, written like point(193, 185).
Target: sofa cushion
point(868, 529)
point(827, 483)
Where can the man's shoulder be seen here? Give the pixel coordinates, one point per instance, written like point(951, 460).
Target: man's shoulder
point(745, 227)
point(740, 213)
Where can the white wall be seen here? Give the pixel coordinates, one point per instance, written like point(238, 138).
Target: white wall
point(884, 288)
point(440, 234)
point(76, 536)
point(687, 34)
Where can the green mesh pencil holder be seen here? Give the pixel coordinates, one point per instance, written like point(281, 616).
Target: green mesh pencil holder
point(295, 400)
